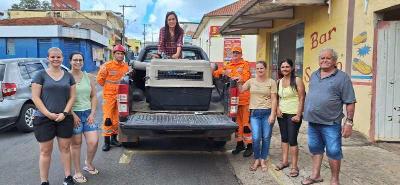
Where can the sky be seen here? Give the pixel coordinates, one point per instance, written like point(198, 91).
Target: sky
point(149, 12)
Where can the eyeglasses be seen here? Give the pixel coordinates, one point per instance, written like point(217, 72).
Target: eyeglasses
point(236, 52)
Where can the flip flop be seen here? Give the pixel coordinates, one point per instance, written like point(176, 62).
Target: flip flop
point(294, 172)
point(91, 171)
point(264, 168)
point(311, 181)
point(79, 179)
point(281, 166)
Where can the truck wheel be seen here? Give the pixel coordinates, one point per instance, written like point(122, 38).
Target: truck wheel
point(219, 144)
point(25, 119)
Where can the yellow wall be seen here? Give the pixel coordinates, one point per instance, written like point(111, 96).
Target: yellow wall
point(317, 20)
point(362, 55)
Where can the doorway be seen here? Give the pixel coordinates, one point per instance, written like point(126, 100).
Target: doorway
point(387, 107)
point(288, 43)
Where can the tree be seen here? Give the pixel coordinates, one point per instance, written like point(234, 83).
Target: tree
point(31, 5)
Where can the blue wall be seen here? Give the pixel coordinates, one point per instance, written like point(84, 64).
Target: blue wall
point(30, 48)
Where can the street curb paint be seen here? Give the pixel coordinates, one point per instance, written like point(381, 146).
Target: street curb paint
point(280, 177)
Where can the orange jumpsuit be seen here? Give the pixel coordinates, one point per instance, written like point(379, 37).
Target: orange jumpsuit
point(240, 69)
point(109, 76)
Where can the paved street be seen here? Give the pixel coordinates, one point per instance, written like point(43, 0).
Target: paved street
point(154, 162)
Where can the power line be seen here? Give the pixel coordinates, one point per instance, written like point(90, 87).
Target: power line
point(86, 17)
point(123, 21)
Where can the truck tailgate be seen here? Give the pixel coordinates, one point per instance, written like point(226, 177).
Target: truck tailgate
point(211, 125)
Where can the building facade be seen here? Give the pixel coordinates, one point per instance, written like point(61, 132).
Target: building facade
point(16, 42)
point(218, 47)
point(364, 33)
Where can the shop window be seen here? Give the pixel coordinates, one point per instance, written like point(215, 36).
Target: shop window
point(288, 43)
point(10, 47)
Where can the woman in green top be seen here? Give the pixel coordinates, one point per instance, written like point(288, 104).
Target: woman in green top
point(290, 108)
point(83, 111)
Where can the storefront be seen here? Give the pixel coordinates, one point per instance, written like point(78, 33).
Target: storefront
point(364, 33)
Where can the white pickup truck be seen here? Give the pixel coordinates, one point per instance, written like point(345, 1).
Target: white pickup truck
point(175, 98)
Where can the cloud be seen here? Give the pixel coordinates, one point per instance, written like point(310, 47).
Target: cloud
point(153, 18)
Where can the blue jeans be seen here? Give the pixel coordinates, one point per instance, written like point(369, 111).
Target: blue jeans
point(84, 126)
point(325, 136)
point(261, 131)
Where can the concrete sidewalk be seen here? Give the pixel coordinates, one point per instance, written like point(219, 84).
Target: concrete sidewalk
point(363, 163)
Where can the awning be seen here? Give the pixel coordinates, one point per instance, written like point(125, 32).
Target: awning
point(259, 14)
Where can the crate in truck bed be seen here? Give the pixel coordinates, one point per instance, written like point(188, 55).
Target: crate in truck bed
point(179, 84)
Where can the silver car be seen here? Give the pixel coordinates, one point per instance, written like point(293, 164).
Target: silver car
point(16, 105)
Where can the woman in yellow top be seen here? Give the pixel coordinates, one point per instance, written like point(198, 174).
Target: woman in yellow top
point(291, 103)
point(263, 103)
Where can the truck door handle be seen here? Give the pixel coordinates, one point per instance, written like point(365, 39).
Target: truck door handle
point(390, 118)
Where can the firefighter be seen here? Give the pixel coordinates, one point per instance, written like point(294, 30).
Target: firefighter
point(239, 69)
point(109, 76)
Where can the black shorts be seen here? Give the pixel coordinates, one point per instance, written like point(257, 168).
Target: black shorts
point(46, 129)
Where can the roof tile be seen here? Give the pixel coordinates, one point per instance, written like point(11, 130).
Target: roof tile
point(33, 21)
point(228, 10)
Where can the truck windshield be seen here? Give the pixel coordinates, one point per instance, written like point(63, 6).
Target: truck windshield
point(186, 54)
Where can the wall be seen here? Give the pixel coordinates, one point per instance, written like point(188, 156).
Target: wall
point(24, 47)
point(215, 50)
point(330, 30)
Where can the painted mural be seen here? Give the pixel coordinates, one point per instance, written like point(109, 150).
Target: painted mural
point(362, 55)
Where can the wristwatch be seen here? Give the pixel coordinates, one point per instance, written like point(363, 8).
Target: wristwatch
point(349, 121)
point(65, 114)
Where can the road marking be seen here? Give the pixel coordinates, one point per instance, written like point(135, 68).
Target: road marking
point(126, 157)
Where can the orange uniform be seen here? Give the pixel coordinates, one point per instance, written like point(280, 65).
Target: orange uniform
point(109, 76)
point(240, 69)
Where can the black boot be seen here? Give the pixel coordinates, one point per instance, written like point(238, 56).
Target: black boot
point(114, 141)
point(249, 151)
point(106, 146)
point(239, 147)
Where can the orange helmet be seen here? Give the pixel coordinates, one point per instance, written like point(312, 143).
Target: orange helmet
point(118, 47)
point(237, 49)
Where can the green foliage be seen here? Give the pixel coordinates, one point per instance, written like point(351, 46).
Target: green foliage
point(32, 5)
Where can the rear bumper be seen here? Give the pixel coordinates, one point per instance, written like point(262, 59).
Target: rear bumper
point(206, 126)
point(161, 131)
point(5, 122)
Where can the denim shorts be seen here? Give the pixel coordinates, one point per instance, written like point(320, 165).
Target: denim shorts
point(322, 136)
point(83, 125)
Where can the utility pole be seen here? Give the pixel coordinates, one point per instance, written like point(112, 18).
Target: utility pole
point(123, 21)
point(144, 33)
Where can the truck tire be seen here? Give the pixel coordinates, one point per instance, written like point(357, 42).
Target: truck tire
point(219, 144)
point(25, 119)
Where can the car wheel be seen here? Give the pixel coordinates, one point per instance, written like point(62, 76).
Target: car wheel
point(25, 120)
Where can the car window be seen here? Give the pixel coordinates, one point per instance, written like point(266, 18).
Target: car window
point(191, 55)
point(24, 72)
point(2, 69)
point(33, 68)
point(149, 54)
point(186, 54)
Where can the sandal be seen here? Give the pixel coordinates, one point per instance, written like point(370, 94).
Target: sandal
point(91, 171)
point(281, 166)
point(294, 172)
point(310, 180)
point(254, 166)
point(79, 178)
point(264, 168)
